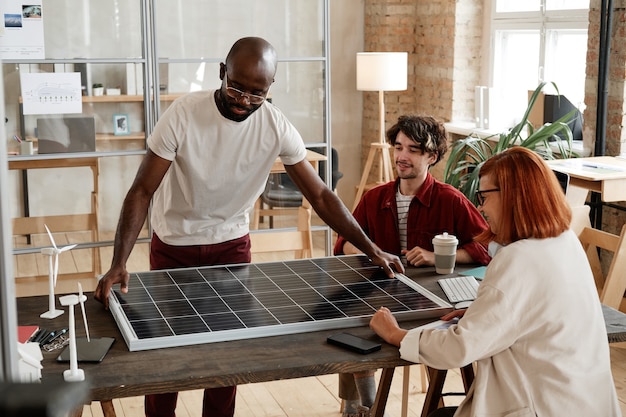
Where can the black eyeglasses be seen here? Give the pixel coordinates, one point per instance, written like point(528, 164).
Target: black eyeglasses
point(480, 195)
point(237, 94)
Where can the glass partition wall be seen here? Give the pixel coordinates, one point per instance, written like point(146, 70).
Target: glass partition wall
point(133, 59)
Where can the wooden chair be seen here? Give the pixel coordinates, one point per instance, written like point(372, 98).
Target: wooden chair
point(281, 197)
point(288, 240)
point(300, 240)
point(85, 222)
point(406, 379)
point(580, 218)
point(66, 281)
point(612, 286)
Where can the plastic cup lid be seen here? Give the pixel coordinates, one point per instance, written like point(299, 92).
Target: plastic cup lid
point(445, 238)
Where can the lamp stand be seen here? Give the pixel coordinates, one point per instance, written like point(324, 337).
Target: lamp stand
point(378, 149)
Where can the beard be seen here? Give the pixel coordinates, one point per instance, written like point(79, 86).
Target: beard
point(232, 110)
point(406, 172)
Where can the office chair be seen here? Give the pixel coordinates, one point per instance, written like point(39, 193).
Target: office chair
point(281, 192)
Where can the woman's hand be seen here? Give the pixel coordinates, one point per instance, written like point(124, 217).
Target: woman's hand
point(386, 326)
point(453, 314)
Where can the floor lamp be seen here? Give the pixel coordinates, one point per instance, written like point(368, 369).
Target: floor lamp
point(379, 71)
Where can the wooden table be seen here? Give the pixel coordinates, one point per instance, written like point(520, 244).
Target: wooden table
point(127, 374)
point(603, 174)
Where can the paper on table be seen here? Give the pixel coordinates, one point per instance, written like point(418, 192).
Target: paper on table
point(439, 324)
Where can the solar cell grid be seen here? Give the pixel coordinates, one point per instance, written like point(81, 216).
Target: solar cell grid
point(211, 304)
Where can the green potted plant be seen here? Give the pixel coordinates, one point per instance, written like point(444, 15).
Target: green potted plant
point(98, 89)
point(467, 155)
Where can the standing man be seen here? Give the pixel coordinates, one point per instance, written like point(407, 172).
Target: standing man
point(404, 215)
point(207, 162)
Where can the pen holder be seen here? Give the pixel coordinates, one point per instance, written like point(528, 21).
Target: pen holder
point(26, 148)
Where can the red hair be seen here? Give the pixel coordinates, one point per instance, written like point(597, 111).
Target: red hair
point(533, 202)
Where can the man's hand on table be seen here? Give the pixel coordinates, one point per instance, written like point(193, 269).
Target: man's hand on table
point(115, 275)
point(390, 263)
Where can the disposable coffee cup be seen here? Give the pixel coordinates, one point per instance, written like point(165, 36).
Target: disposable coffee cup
point(445, 253)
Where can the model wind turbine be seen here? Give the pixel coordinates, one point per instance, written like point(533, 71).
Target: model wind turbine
point(53, 271)
point(74, 374)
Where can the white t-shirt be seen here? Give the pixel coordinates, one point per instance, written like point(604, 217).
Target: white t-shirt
point(219, 168)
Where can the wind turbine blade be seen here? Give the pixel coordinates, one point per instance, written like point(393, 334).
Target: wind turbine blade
point(56, 267)
point(68, 247)
point(50, 235)
point(82, 299)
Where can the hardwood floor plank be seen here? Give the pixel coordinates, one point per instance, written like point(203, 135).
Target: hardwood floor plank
point(256, 400)
point(189, 403)
point(130, 407)
point(306, 397)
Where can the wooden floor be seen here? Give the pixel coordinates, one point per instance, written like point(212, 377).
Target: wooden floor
point(313, 396)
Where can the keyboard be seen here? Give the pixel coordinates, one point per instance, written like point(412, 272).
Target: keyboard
point(462, 288)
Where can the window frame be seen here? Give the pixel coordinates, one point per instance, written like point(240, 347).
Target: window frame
point(541, 20)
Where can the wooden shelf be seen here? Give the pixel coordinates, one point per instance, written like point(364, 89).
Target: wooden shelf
point(111, 136)
point(104, 136)
point(123, 98)
point(112, 99)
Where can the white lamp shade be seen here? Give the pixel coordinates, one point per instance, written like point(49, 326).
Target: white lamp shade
point(381, 71)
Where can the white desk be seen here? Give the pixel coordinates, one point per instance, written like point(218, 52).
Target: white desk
point(603, 174)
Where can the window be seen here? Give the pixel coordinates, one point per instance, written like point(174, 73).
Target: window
point(535, 41)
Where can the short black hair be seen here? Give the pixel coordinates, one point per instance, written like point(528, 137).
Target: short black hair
point(426, 131)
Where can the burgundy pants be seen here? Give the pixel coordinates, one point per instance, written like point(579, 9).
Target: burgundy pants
point(217, 402)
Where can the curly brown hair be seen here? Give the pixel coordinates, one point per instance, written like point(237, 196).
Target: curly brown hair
point(426, 131)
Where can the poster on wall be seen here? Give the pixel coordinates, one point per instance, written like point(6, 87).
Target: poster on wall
point(21, 32)
point(51, 93)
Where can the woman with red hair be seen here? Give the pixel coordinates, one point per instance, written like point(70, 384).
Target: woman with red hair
point(536, 329)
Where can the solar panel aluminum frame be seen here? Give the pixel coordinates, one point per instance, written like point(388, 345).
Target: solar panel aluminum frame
point(136, 343)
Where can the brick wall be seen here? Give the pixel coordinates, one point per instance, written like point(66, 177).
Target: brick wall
point(441, 77)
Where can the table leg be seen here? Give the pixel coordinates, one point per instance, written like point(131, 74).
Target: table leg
point(406, 379)
point(107, 408)
point(436, 378)
point(384, 386)
point(467, 373)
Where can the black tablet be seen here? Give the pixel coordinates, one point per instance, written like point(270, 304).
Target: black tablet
point(92, 351)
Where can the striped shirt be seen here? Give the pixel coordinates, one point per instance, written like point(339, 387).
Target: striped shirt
point(403, 202)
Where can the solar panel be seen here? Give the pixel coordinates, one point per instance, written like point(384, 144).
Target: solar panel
point(179, 307)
